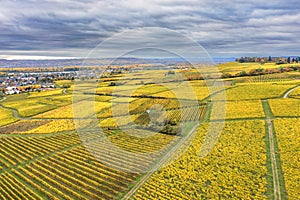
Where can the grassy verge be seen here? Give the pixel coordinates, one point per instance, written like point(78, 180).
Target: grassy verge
point(279, 167)
point(206, 116)
point(270, 192)
point(267, 109)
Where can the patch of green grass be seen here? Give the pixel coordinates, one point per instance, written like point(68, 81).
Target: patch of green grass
point(279, 166)
point(270, 193)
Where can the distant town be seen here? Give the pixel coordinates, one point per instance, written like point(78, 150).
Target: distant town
point(18, 82)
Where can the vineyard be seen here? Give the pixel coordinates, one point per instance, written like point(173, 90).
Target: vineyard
point(235, 169)
point(256, 91)
point(282, 107)
point(32, 105)
point(6, 117)
point(236, 109)
point(139, 137)
point(59, 166)
point(287, 131)
point(22, 126)
point(279, 77)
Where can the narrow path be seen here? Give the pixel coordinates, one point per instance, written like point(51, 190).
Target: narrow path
point(64, 91)
point(286, 95)
point(167, 156)
point(277, 193)
point(276, 181)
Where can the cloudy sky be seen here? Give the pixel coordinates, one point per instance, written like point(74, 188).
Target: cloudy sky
point(224, 28)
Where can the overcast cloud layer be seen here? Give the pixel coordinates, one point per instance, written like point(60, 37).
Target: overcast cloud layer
point(224, 28)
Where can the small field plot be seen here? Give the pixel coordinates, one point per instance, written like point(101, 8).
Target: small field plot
point(125, 89)
point(117, 121)
point(55, 126)
point(150, 89)
point(62, 83)
point(186, 91)
point(147, 144)
point(46, 93)
point(6, 117)
point(288, 138)
point(22, 126)
point(285, 107)
point(239, 109)
point(57, 100)
point(102, 98)
point(81, 110)
point(248, 91)
point(186, 114)
point(28, 107)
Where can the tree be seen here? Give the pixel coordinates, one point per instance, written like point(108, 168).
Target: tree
point(270, 59)
point(112, 84)
point(241, 60)
point(244, 73)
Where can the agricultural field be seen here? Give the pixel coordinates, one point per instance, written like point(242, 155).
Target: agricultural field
point(6, 117)
point(235, 169)
point(83, 109)
point(240, 109)
point(280, 77)
point(138, 135)
point(287, 133)
point(285, 107)
point(45, 93)
point(28, 107)
point(22, 126)
point(257, 91)
point(47, 161)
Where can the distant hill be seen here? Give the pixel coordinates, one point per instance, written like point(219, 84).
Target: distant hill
point(102, 62)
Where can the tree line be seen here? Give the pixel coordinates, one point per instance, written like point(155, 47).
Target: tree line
point(262, 60)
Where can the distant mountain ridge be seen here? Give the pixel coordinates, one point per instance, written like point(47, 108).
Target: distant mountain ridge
point(103, 61)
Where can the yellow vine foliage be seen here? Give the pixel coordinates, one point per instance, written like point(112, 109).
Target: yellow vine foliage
point(235, 169)
point(285, 107)
point(288, 138)
point(240, 109)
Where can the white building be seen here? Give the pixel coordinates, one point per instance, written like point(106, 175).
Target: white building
point(12, 90)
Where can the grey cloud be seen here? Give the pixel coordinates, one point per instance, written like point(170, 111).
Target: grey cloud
point(73, 27)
